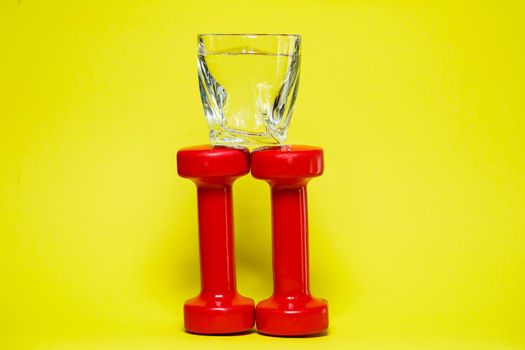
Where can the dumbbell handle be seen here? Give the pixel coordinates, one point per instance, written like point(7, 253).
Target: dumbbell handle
point(290, 240)
point(216, 238)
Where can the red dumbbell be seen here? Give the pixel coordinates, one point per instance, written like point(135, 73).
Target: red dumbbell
point(218, 308)
point(291, 310)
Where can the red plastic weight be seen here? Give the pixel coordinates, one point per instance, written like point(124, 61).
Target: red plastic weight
point(219, 308)
point(291, 310)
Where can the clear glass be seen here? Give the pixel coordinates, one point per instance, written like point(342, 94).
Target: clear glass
point(248, 85)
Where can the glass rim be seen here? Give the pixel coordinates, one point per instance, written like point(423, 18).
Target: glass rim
point(288, 35)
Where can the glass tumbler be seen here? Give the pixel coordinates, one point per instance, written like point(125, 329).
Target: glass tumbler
point(248, 85)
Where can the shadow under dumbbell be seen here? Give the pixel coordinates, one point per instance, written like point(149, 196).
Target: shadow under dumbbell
point(248, 332)
point(318, 335)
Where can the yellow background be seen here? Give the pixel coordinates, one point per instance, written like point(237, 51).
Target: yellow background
point(417, 228)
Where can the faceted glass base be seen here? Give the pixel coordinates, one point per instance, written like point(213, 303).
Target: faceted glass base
point(236, 138)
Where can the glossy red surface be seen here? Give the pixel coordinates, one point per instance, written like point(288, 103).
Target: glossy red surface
point(287, 162)
point(218, 308)
point(213, 162)
point(291, 310)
